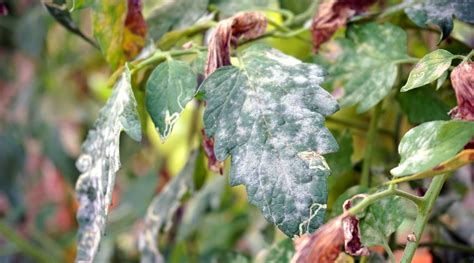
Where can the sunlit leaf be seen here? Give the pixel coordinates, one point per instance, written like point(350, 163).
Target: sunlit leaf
point(381, 220)
point(428, 69)
point(99, 163)
point(162, 209)
point(431, 143)
point(269, 115)
point(440, 13)
point(170, 87)
point(368, 63)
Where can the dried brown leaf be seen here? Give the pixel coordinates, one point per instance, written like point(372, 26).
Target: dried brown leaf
point(213, 164)
point(333, 15)
point(249, 25)
point(462, 79)
point(135, 30)
point(352, 242)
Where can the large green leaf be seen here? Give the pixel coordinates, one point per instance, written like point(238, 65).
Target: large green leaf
point(169, 88)
point(99, 163)
point(164, 16)
point(162, 209)
point(422, 105)
point(381, 220)
point(440, 13)
point(268, 114)
point(367, 65)
point(431, 143)
point(428, 69)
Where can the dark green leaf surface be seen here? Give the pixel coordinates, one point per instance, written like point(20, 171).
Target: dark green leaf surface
point(381, 220)
point(423, 105)
point(269, 116)
point(428, 69)
point(440, 13)
point(99, 163)
point(282, 252)
point(430, 144)
point(367, 65)
point(162, 209)
point(169, 88)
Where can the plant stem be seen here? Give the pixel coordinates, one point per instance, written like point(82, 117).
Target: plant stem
point(371, 138)
point(468, 57)
point(22, 244)
point(388, 250)
point(356, 125)
point(424, 211)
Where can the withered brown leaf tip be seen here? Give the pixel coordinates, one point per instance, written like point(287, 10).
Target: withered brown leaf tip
point(462, 79)
point(249, 25)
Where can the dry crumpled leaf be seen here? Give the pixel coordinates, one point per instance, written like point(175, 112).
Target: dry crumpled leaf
point(135, 29)
point(462, 79)
point(323, 246)
point(250, 25)
point(352, 242)
point(332, 15)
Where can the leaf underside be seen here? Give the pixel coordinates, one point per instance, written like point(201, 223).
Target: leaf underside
point(367, 64)
point(99, 163)
point(269, 116)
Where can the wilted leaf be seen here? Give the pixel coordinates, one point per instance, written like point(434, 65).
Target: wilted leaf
point(208, 197)
point(431, 143)
point(352, 237)
point(277, 135)
point(428, 69)
point(59, 11)
point(208, 146)
point(135, 30)
point(422, 105)
point(333, 15)
point(171, 85)
point(162, 209)
point(99, 163)
point(462, 79)
point(282, 252)
point(440, 13)
point(247, 24)
point(381, 220)
point(323, 246)
point(164, 16)
point(368, 63)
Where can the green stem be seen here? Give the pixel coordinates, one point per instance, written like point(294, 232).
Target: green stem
point(388, 250)
point(23, 245)
point(418, 201)
point(468, 57)
point(371, 142)
point(356, 125)
point(424, 211)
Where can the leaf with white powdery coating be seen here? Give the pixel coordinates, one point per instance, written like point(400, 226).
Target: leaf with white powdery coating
point(99, 163)
point(169, 88)
point(428, 69)
point(381, 220)
point(368, 63)
point(162, 209)
point(269, 116)
point(430, 144)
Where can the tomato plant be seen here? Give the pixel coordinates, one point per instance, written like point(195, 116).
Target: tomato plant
point(349, 125)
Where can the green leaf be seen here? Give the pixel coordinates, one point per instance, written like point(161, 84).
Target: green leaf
point(368, 63)
point(282, 252)
point(108, 18)
point(428, 69)
point(209, 197)
point(80, 4)
point(99, 163)
point(164, 16)
point(441, 80)
point(430, 144)
point(423, 105)
point(162, 209)
point(228, 8)
point(381, 220)
point(169, 88)
point(269, 115)
point(440, 13)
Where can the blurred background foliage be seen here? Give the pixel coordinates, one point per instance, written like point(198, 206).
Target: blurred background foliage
point(53, 83)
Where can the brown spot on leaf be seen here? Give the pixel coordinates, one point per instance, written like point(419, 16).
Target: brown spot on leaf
point(438, 168)
point(246, 24)
point(135, 29)
point(333, 15)
point(213, 164)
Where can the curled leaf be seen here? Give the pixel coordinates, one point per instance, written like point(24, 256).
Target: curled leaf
point(352, 242)
point(322, 246)
point(332, 15)
point(462, 79)
point(213, 164)
point(135, 29)
point(249, 25)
